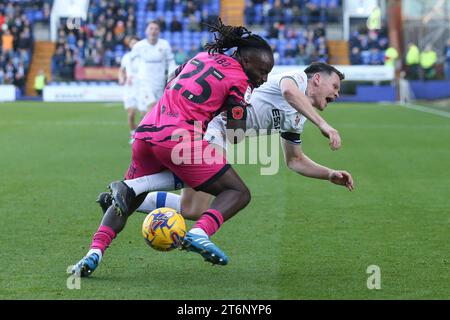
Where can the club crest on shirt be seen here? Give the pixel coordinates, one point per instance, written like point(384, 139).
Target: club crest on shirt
point(248, 94)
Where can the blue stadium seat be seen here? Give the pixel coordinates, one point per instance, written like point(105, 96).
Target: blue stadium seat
point(160, 5)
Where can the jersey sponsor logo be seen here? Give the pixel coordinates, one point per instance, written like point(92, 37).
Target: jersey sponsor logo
point(237, 113)
point(248, 94)
point(276, 116)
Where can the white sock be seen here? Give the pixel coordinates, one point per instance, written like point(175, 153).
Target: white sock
point(161, 181)
point(199, 232)
point(160, 199)
point(98, 252)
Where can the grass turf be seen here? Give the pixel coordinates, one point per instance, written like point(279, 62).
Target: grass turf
point(298, 239)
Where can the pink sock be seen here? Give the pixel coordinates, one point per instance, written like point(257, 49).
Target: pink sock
point(210, 222)
point(102, 238)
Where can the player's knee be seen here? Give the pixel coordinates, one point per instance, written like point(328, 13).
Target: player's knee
point(191, 215)
point(245, 197)
point(189, 212)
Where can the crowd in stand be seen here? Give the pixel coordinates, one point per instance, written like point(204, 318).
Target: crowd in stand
point(295, 28)
point(368, 47)
point(98, 41)
point(16, 38)
point(304, 12)
point(102, 39)
point(297, 46)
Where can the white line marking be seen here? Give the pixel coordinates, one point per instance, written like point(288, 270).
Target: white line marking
point(427, 110)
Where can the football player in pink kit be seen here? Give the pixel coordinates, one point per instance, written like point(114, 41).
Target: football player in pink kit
point(171, 137)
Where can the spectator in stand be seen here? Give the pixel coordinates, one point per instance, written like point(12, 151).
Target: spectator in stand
point(19, 77)
point(67, 72)
point(90, 55)
point(276, 54)
point(57, 62)
point(322, 52)
point(193, 51)
point(310, 47)
point(372, 39)
point(7, 41)
point(175, 25)
point(290, 51)
point(171, 4)
point(276, 13)
point(375, 57)
point(151, 5)
point(109, 43)
point(319, 30)
point(290, 32)
point(179, 55)
point(189, 9)
point(193, 24)
point(162, 23)
point(334, 11)
point(10, 71)
point(355, 56)
point(302, 58)
point(119, 31)
point(129, 30)
point(311, 11)
point(249, 13)
point(24, 41)
point(274, 31)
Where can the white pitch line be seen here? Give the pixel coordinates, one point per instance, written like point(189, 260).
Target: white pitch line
point(427, 110)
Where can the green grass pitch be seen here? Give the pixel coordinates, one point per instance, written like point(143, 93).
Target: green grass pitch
point(298, 239)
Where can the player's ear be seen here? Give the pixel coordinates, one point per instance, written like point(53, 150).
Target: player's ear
point(245, 60)
point(317, 78)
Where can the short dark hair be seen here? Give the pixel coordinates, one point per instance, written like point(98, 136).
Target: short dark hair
point(318, 67)
point(157, 22)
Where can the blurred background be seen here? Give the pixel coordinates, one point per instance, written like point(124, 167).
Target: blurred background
point(390, 50)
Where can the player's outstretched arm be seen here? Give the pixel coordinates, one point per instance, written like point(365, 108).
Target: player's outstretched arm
point(297, 99)
point(297, 161)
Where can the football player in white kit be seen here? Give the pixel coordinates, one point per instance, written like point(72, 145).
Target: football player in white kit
point(155, 61)
point(279, 105)
point(128, 78)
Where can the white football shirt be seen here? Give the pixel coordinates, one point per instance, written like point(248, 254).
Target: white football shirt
point(130, 64)
point(269, 110)
point(155, 61)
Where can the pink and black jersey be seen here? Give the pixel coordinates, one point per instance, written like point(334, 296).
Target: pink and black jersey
point(207, 85)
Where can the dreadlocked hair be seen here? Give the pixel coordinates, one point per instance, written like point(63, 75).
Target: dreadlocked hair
point(228, 37)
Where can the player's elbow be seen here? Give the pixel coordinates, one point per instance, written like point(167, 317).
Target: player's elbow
point(288, 94)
